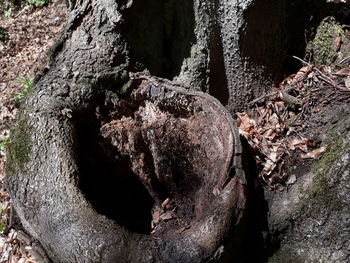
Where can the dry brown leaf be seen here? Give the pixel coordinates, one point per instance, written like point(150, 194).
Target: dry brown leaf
point(298, 143)
point(344, 71)
point(313, 154)
point(165, 202)
point(287, 81)
point(271, 160)
point(301, 73)
point(281, 105)
point(245, 125)
point(274, 120)
point(155, 216)
point(270, 134)
point(326, 69)
point(166, 216)
point(336, 44)
point(264, 147)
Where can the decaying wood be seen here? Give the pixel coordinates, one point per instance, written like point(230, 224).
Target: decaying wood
point(196, 162)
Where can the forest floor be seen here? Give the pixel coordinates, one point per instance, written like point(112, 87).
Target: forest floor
point(29, 32)
point(283, 127)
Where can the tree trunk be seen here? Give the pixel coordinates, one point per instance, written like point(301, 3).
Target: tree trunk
point(100, 151)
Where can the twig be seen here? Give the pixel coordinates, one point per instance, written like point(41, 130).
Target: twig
point(320, 75)
point(271, 94)
point(25, 9)
point(344, 59)
point(262, 97)
point(338, 74)
point(324, 77)
point(303, 61)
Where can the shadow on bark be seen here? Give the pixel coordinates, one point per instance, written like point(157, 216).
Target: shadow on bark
point(160, 34)
point(218, 86)
point(262, 35)
point(250, 238)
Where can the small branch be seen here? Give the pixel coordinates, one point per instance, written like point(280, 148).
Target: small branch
point(344, 59)
point(262, 97)
point(322, 75)
point(302, 61)
point(270, 95)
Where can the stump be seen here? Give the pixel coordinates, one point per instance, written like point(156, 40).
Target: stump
point(154, 170)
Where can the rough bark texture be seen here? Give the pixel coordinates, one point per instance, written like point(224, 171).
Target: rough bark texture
point(311, 221)
point(45, 178)
point(220, 47)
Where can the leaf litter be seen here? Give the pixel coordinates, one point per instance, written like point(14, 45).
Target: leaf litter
point(277, 125)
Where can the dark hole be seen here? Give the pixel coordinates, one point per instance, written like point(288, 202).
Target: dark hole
point(107, 182)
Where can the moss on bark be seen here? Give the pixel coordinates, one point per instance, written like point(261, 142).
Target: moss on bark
point(321, 196)
point(19, 145)
point(325, 46)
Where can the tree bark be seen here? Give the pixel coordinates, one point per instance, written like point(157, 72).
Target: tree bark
point(218, 47)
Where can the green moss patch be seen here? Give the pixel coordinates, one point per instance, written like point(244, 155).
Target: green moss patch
point(322, 195)
point(325, 46)
point(19, 145)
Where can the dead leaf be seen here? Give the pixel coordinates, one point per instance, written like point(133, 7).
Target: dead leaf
point(165, 202)
point(155, 216)
point(326, 69)
point(298, 143)
point(343, 71)
point(287, 81)
point(301, 73)
point(270, 134)
point(336, 43)
point(313, 154)
point(166, 216)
